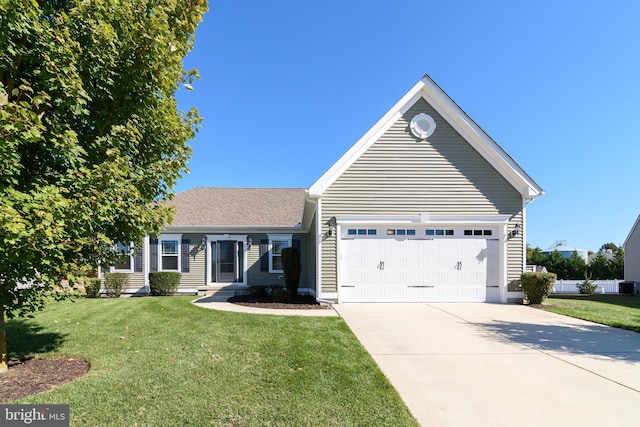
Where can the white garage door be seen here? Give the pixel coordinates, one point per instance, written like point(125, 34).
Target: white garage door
point(390, 270)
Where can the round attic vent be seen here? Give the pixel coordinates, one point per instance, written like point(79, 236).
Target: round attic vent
point(422, 125)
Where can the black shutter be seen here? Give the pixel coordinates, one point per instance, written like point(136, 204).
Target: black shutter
point(137, 261)
point(153, 254)
point(185, 255)
point(264, 255)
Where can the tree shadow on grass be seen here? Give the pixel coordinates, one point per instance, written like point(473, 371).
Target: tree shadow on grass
point(25, 339)
point(592, 339)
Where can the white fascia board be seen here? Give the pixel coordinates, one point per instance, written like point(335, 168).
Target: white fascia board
point(423, 219)
point(633, 229)
point(468, 219)
point(372, 135)
point(377, 219)
point(310, 207)
point(479, 139)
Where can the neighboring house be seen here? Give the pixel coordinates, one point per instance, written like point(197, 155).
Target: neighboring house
point(631, 248)
point(566, 251)
point(424, 207)
point(536, 268)
point(607, 254)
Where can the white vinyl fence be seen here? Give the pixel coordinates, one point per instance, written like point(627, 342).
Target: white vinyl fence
point(569, 286)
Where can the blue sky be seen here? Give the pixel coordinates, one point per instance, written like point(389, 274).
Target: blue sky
point(288, 86)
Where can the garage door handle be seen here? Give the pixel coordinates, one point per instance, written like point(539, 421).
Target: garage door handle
point(421, 286)
point(381, 265)
point(347, 286)
point(493, 286)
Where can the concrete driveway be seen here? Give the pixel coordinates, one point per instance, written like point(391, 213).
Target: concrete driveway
point(501, 364)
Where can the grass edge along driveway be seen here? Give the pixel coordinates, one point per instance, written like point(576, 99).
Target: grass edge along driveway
point(619, 311)
point(163, 361)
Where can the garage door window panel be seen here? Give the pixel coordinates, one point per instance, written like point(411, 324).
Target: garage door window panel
point(439, 232)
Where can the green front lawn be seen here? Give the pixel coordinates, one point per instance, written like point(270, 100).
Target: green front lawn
point(160, 361)
point(619, 311)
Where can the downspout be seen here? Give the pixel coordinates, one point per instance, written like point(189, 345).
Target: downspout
point(318, 239)
point(525, 202)
point(146, 263)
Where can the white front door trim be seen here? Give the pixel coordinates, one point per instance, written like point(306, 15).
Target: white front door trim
point(226, 237)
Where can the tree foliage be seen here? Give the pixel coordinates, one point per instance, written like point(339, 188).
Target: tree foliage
point(610, 246)
point(600, 267)
point(92, 138)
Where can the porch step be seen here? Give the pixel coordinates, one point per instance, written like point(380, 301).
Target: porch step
point(217, 295)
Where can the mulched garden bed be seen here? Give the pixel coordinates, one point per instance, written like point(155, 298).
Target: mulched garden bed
point(301, 302)
point(32, 376)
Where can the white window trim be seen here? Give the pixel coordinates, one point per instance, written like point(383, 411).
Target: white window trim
point(131, 269)
point(272, 237)
point(236, 238)
point(169, 237)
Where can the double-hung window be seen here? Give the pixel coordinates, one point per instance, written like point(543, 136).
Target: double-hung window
point(169, 253)
point(125, 262)
point(277, 242)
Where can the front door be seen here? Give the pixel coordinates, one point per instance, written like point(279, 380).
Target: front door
point(227, 261)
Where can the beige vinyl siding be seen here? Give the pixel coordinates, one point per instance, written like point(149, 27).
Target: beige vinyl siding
point(256, 277)
point(196, 276)
point(136, 280)
point(632, 256)
point(515, 255)
point(399, 174)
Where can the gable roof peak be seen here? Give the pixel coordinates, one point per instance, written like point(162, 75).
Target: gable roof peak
point(631, 232)
point(428, 90)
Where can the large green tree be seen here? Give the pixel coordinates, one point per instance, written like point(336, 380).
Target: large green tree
point(576, 267)
point(614, 248)
point(91, 136)
point(535, 256)
point(616, 265)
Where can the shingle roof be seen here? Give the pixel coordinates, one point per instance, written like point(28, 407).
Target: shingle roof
point(240, 207)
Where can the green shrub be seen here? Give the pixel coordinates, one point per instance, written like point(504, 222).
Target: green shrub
point(92, 286)
point(258, 291)
point(537, 286)
point(587, 287)
point(164, 282)
point(114, 283)
point(281, 295)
